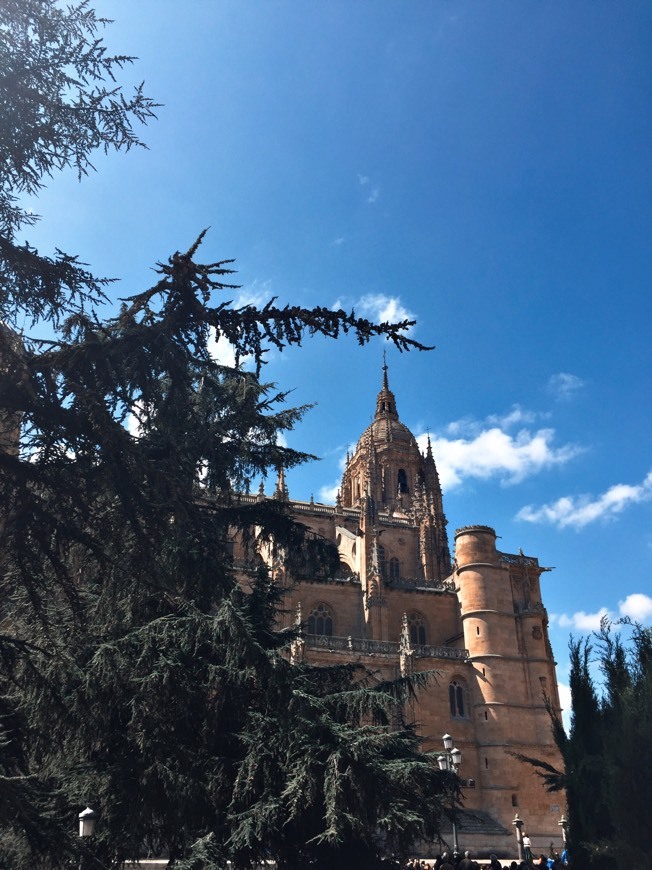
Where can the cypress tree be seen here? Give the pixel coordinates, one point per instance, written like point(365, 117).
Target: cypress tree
point(607, 754)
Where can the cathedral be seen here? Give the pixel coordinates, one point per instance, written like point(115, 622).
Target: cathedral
point(401, 602)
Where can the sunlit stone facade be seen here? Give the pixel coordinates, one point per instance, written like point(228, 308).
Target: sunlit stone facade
point(399, 603)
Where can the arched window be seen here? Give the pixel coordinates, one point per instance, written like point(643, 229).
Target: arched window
point(402, 481)
point(458, 700)
point(320, 621)
point(394, 569)
point(417, 629)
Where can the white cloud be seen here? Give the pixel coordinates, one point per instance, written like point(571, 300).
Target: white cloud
point(328, 494)
point(134, 419)
point(363, 179)
point(338, 241)
point(637, 606)
point(373, 196)
point(516, 417)
point(565, 702)
point(579, 511)
point(563, 386)
point(222, 351)
point(383, 309)
point(257, 294)
point(582, 621)
point(492, 453)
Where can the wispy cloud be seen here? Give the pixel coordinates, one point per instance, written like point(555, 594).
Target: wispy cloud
point(338, 241)
point(579, 511)
point(517, 416)
point(487, 449)
point(328, 493)
point(374, 193)
point(563, 386)
point(470, 426)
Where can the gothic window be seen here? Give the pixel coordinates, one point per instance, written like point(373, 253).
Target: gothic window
point(320, 621)
point(402, 481)
point(457, 698)
point(394, 569)
point(417, 629)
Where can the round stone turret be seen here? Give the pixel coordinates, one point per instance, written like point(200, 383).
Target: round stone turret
point(475, 544)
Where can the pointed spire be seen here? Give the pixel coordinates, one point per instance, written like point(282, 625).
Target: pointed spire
point(281, 491)
point(385, 403)
point(429, 448)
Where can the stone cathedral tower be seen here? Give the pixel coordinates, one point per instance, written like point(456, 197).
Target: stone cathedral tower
point(398, 603)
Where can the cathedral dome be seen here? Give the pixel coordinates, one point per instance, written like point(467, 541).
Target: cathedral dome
point(384, 430)
point(386, 426)
point(388, 476)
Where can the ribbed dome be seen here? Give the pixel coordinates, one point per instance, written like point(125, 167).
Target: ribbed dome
point(386, 428)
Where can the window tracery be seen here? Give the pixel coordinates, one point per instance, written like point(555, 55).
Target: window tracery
point(320, 620)
point(417, 629)
point(458, 699)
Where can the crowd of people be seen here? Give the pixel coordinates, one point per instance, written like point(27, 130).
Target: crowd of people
point(446, 861)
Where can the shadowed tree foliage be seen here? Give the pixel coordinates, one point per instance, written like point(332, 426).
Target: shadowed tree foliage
point(137, 673)
point(59, 103)
point(608, 752)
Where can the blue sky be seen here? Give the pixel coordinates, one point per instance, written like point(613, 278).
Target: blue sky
point(482, 166)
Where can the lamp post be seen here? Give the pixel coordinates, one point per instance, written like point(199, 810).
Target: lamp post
point(563, 824)
point(87, 819)
point(451, 760)
point(518, 824)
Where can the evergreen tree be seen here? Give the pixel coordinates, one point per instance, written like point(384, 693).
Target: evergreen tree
point(138, 672)
point(142, 677)
point(60, 102)
point(608, 753)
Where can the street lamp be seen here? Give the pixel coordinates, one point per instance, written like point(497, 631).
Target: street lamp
point(518, 824)
point(451, 760)
point(563, 824)
point(87, 819)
